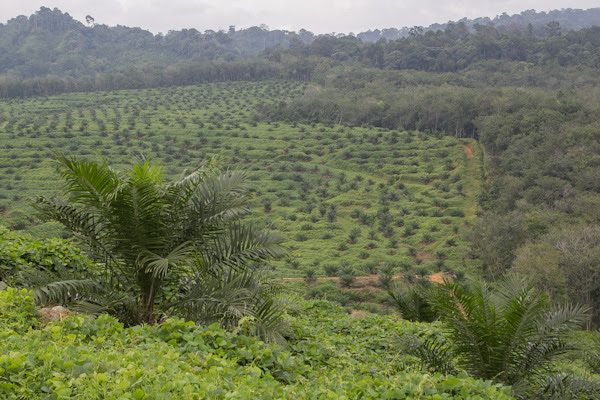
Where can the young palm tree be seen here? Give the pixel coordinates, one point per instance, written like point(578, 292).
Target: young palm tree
point(412, 303)
point(159, 241)
point(509, 334)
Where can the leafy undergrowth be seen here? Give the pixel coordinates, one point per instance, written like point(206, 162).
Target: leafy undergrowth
point(331, 355)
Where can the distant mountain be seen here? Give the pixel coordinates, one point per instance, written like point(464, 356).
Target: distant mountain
point(569, 20)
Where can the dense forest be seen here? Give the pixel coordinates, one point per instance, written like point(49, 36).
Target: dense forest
point(102, 58)
point(51, 43)
point(528, 21)
point(430, 197)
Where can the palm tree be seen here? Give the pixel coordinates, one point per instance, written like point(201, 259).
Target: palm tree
point(161, 244)
point(509, 333)
point(412, 303)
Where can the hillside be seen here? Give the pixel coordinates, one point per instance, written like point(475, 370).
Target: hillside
point(342, 195)
point(414, 218)
point(536, 23)
point(52, 43)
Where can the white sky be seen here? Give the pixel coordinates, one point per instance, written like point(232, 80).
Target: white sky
point(318, 16)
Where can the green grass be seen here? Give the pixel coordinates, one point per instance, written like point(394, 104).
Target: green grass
point(412, 195)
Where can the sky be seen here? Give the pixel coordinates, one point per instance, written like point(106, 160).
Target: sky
point(317, 16)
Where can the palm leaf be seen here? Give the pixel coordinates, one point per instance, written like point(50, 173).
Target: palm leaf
point(159, 266)
point(435, 353)
point(412, 304)
point(564, 386)
point(56, 287)
point(229, 296)
point(88, 182)
point(240, 245)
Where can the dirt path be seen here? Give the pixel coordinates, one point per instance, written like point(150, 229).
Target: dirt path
point(437, 277)
point(468, 147)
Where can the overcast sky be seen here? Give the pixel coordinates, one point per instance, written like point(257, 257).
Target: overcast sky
point(318, 16)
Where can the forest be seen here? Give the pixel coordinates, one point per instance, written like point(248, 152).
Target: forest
point(408, 213)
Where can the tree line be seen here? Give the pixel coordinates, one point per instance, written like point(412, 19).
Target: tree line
point(103, 58)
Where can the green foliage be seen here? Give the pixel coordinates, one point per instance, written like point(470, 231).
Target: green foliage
point(17, 310)
point(412, 303)
point(495, 239)
point(328, 290)
point(246, 142)
point(592, 353)
point(123, 58)
point(541, 262)
point(331, 355)
point(356, 356)
point(19, 250)
point(509, 334)
point(397, 163)
point(176, 245)
point(99, 358)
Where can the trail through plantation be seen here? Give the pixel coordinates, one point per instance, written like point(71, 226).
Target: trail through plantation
point(371, 280)
point(468, 147)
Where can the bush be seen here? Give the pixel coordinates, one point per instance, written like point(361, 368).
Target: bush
point(310, 275)
point(17, 310)
point(18, 250)
point(301, 237)
point(330, 270)
point(327, 290)
point(347, 280)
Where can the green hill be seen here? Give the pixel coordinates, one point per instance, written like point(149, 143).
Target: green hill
point(360, 196)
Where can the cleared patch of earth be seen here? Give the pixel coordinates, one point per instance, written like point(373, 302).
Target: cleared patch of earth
point(371, 280)
point(468, 148)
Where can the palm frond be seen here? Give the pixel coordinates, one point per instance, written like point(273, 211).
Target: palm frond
point(158, 266)
point(412, 304)
point(435, 353)
point(564, 318)
point(241, 244)
point(87, 182)
point(207, 168)
point(272, 326)
point(134, 221)
point(229, 296)
point(223, 298)
point(222, 198)
point(521, 307)
point(471, 323)
point(56, 287)
point(88, 228)
point(76, 219)
point(563, 386)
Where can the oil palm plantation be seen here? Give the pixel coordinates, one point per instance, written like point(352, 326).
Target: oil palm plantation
point(177, 247)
